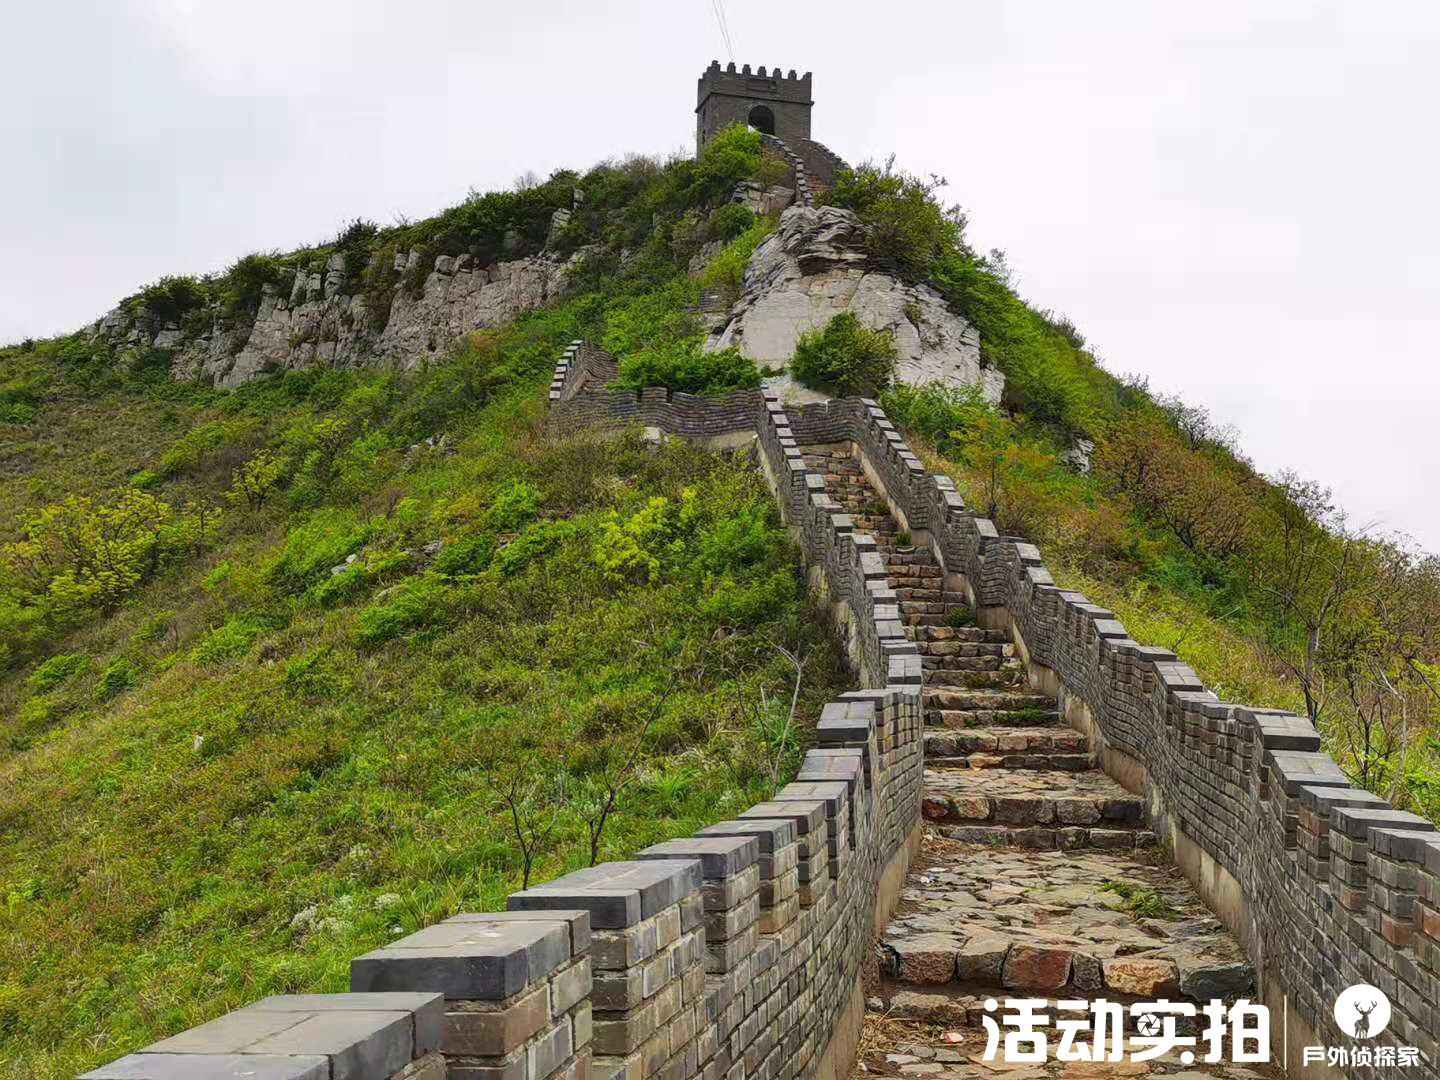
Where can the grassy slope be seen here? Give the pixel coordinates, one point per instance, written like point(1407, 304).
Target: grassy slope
point(1081, 537)
point(297, 744)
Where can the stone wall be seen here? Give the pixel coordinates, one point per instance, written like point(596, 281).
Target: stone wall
point(733, 953)
point(1325, 885)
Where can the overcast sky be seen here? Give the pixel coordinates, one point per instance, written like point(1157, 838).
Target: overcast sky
point(1235, 199)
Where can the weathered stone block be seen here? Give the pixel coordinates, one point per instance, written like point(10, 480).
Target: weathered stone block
point(1147, 978)
point(466, 958)
point(1028, 967)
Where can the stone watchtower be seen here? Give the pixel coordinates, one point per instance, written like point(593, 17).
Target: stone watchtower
point(775, 104)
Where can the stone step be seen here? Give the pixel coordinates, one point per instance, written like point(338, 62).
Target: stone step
point(1005, 740)
point(930, 607)
point(989, 700)
point(1050, 837)
point(1049, 800)
point(923, 572)
point(910, 593)
point(992, 661)
point(981, 682)
point(964, 648)
point(963, 633)
point(1076, 924)
point(1013, 760)
point(968, 719)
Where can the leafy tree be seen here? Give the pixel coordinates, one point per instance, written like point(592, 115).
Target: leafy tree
point(256, 480)
point(83, 553)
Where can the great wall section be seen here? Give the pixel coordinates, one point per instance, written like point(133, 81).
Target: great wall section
point(956, 834)
point(1047, 750)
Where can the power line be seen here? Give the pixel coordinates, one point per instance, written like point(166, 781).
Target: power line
point(719, 8)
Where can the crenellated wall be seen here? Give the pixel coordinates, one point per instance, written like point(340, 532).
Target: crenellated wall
point(1326, 885)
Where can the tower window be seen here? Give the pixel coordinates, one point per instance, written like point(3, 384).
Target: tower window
point(762, 119)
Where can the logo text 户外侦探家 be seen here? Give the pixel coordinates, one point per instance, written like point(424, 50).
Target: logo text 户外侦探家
point(1362, 1012)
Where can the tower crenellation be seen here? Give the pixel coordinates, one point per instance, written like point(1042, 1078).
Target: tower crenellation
point(771, 100)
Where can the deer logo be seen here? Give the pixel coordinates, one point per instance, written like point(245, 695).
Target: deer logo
point(1362, 1025)
point(1362, 1011)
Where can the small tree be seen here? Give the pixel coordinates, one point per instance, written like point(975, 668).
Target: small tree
point(612, 763)
point(846, 357)
point(253, 482)
point(1309, 567)
point(534, 794)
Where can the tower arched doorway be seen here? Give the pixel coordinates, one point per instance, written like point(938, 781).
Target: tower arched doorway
point(762, 119)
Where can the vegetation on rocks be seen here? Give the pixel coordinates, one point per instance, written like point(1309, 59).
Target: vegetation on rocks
point(845, 357)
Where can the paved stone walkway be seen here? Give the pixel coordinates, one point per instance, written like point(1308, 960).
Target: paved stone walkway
point(1038, 877)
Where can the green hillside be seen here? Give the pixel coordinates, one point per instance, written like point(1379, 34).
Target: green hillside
point(270, 657)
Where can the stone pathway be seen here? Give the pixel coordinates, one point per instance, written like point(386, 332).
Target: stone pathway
point(1038, 877)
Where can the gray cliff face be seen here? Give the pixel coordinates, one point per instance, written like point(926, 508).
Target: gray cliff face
point(814, 266)
point(317, 324)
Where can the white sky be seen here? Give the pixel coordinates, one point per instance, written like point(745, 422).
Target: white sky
point(1235, 199)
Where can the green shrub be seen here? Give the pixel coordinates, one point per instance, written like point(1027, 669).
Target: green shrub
point(1047, 377)
point(539, 538)
point(82, 554)
point(637, 548)
point(743, 604)
point(729, 221)
point(469, 555)
point(726, 271)
point(733, 155)
point(17, 412)
point(228, 640)
point(244, 283)
point(208, 441)
point(662, 316)
point(689, 368)
point(56, 670)
point(846, 357)
point(359, 577)
point(119, 675)
point(170, 299)
point(409, 606)
point(314, 546)
point(513, 507)
point(942, 414)
point(959, 617)
point(905, 224)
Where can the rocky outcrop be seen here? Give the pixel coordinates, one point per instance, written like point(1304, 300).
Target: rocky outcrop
point(318, 323)
point(814, 266)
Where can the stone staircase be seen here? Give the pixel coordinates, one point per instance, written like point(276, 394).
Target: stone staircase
point(1038, 877)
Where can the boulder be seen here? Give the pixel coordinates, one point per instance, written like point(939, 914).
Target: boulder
point(814, 266)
